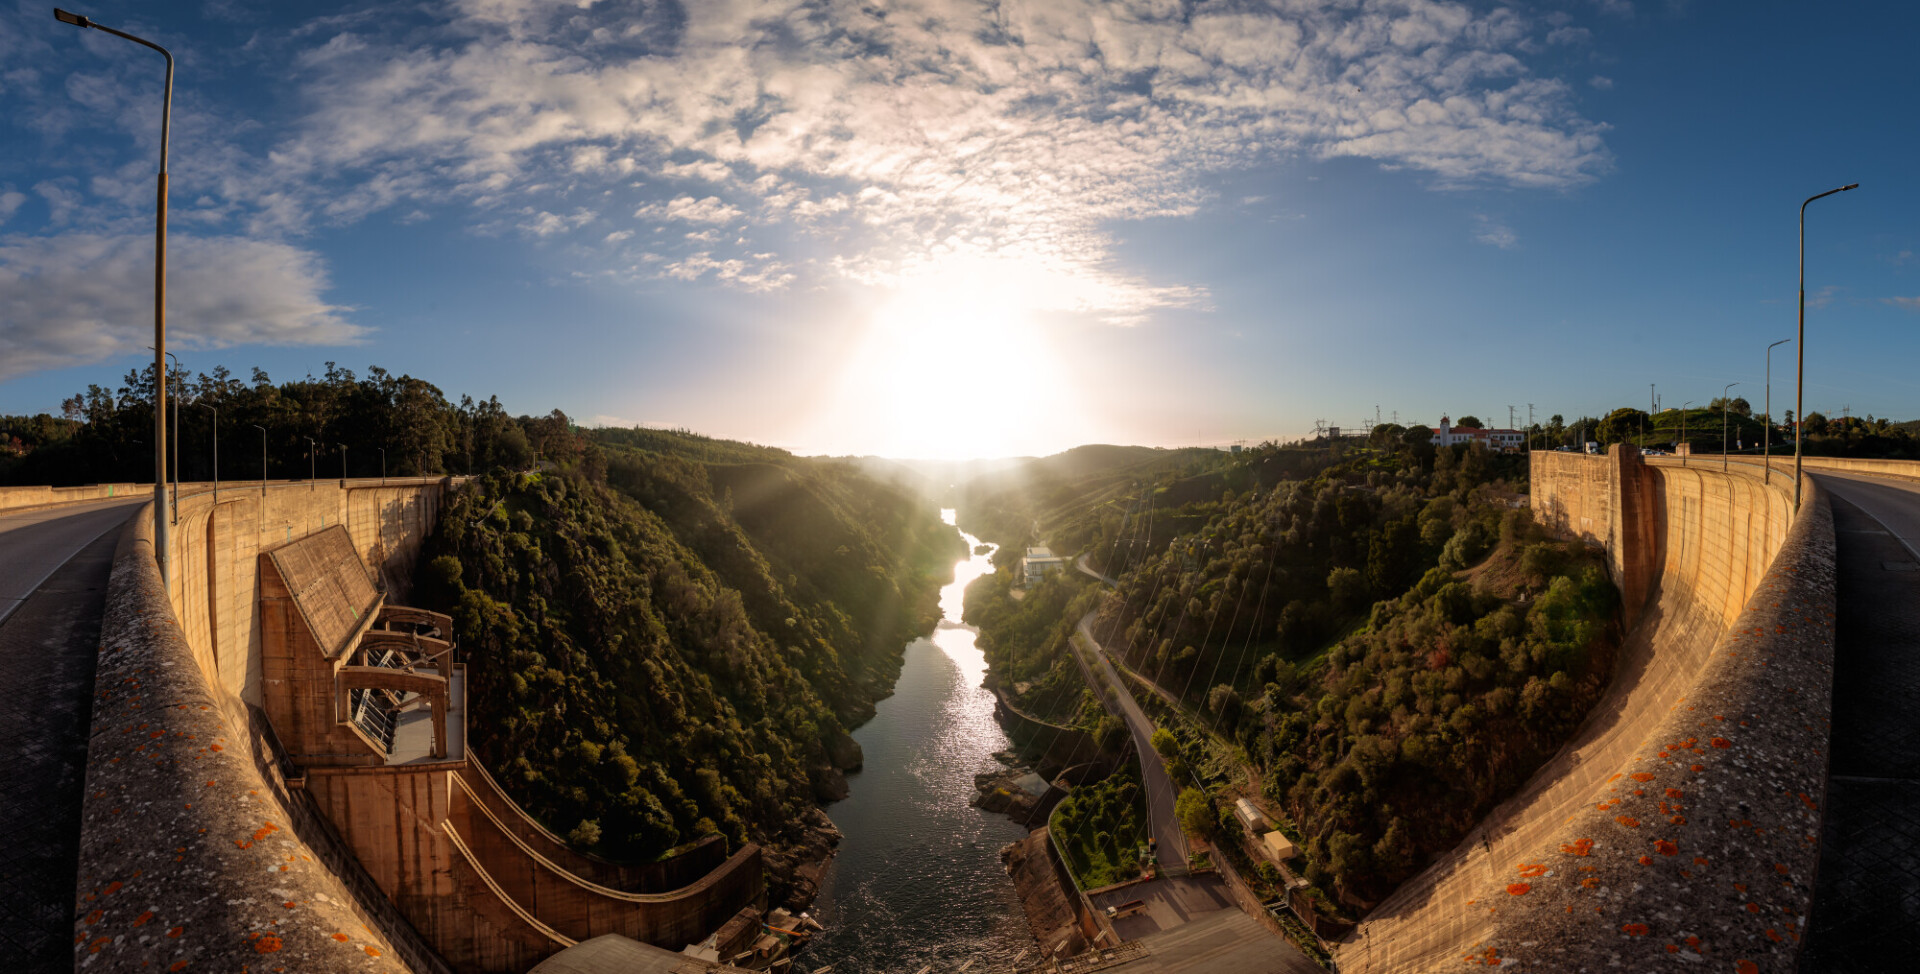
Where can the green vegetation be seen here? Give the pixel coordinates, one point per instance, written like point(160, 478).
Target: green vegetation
point(1744, 428)
point(669, 636)
point(1099, 826)
point(1374, 633)
point(106, 435)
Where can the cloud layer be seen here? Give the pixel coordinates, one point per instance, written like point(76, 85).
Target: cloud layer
point(884, 137)
point(77, 298)
point(752, 144)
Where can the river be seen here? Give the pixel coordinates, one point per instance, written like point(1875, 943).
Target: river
point(918, 878)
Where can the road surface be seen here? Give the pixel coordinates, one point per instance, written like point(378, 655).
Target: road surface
point(54, 563)
point(1153, 773)
point(1866, 906)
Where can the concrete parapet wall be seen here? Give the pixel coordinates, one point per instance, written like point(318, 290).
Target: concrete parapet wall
point(190, 858)
point(1683, 817)
point(14, 498)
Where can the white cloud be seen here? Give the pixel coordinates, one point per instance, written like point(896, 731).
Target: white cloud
point(1911, 304)
point(1492, 232)
point(689, 210)
point(77, 298)
point(1014, 130)
point(1601, 82)
point(10, 201)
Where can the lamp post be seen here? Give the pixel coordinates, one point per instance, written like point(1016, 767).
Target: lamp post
point(1724, 404)
point(1800, 350)
point(216, 448)
point(161, 514)
point(1766, 449)
point(1683, 448)
point(343, 464)
point(383, 465)
point(263, 460)
point(175, 519)
point(313, 465)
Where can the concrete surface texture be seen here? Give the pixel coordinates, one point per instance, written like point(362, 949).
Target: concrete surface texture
point(1221, 942)
point(1866, 907)
point(1679, 817)
point(188, 857)
point(54, 588)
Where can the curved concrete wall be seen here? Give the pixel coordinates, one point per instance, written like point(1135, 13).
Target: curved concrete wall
point(1683, 818)
point(192, 854)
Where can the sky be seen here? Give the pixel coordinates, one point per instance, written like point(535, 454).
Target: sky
point(951, 228)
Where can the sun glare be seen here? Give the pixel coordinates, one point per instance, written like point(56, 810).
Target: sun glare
point(953, 366)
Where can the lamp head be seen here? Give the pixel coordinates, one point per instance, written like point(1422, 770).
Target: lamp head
point(1842, 189)
point(76, 20)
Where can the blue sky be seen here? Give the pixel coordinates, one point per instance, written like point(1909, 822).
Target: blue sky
point(955, 228)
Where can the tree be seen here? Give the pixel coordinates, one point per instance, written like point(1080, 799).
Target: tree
point(1195, 812)
point(1469, 422)
point(1164, 744)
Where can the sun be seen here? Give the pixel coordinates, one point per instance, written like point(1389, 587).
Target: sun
point(952, 366)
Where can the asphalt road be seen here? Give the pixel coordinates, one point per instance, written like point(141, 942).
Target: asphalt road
point(54, 564)
point(37, 541)
point(1866, 905)
point(1153, 773)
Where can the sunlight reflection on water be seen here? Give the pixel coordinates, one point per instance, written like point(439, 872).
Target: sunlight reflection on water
point(918, 879)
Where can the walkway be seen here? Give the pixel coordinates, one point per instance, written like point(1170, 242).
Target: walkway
point(52, 592)
point(1866, 909)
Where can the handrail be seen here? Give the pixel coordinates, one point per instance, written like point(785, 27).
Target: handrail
point(586, 884)
point(453, 837)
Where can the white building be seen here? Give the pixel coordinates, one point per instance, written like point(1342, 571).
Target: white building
point(1038, 562)
point(1499, 440)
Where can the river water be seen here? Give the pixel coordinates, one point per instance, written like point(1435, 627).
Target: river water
point(918, 878)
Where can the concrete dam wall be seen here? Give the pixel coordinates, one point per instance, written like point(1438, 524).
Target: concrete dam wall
point(242, 813)
point(1683, 818)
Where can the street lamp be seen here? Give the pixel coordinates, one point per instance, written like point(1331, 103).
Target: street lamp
point(216, 449)
point(1766, 451)
point(176, 438)
point(1800, 350)
point(343, 464)
point(263, 460)
point(312, 464)
point(1685, 450)
point(1723, 425)
point(383, 465)
point(161, 514)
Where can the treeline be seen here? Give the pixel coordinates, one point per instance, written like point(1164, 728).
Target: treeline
point(670, 636)
point(337, 424)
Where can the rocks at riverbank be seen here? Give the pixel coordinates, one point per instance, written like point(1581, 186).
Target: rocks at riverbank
point(794, 869)
point(1044, 899)
point(1015, 790)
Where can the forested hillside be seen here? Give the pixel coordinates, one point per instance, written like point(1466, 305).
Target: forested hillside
point(1373, 633)
point(669, 636)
